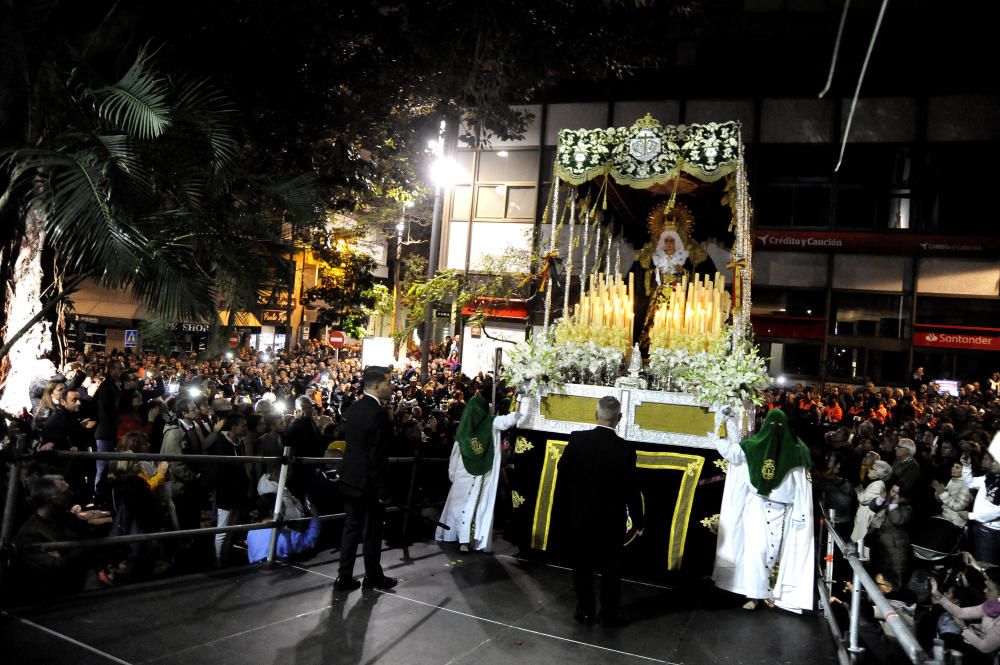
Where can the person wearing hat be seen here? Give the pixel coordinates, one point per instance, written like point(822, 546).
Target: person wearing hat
point(765, 545)
point(474, 471)
point(984, 518)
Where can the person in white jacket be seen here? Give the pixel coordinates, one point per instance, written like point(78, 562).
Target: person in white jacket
point(765, 549)
point(955, 497)
point(474, 471)
point(867, 517)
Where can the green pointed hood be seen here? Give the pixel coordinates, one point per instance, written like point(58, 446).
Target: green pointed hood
point(773, 452)
point(475, 436)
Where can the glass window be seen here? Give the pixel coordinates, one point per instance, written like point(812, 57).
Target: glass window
point(785, 302)
point(801, 359)
point(458, 238)
point(870, 315)
point(508, 166)
point(981, 313)
point(491, 240)
point(853, 363)
point(491, 201)
point(464, 162)
point(521, 202)
point(461, 206)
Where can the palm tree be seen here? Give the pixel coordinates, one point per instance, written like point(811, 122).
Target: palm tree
point(135, 185)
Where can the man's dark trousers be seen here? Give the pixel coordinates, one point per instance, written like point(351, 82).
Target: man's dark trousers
point(362, 525)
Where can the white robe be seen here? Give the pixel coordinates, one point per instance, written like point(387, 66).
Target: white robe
point(756, 530)
point(472, 499)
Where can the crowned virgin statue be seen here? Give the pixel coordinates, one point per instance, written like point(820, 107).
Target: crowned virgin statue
point(670, 253)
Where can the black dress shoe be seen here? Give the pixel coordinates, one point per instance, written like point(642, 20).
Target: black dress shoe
point(383, 584)
point(346, 584)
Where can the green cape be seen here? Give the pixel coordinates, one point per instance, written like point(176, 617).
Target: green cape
point(772, 452)
point(475, 436)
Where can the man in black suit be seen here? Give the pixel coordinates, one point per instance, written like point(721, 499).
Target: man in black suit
point(367, 429)
point(597, 472)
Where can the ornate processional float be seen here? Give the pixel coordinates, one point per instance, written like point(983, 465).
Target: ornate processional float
point(649, 241)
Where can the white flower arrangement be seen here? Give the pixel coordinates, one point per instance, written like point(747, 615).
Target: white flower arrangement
point(532, 366)
point(588, 363)
point(726, 373)
point(666, 366)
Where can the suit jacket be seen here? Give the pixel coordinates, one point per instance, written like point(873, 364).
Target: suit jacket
point(598, 479)
point(368, 433)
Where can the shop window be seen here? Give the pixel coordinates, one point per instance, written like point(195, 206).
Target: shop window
point(870, 315)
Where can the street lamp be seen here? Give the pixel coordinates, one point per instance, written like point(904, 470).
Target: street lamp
point(444, 172)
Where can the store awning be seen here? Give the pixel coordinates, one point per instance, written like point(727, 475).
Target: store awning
point(94, 302)
point(243, 322)
point(497, 308)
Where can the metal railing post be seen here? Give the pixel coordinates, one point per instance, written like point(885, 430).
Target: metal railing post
point(409, 504)
point(830, 549)
point(279, 512)
point(13, 483)
point(854, 649)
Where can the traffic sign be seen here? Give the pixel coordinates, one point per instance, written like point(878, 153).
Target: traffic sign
point(234, 340)
point(131, 339)
point(337, 339)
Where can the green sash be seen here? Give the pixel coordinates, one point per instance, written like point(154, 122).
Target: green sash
point(773, 452)
point(475, 436)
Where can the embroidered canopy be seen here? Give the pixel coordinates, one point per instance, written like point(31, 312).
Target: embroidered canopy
point(647, 153)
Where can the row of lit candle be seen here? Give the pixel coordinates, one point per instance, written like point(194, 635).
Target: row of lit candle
point(608, 303)
point(698, 306)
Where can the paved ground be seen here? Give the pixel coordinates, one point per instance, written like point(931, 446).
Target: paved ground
point(450, 609)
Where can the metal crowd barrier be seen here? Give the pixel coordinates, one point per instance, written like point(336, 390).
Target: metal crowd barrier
point(853, 652)
point(286, 459)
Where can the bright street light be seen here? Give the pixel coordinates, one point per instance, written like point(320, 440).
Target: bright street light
point(445, 172)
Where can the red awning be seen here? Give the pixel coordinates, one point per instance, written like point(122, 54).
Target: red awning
point(497, 308)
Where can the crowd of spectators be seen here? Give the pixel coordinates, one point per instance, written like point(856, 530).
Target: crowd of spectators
point(908, 475)
point(242, 403)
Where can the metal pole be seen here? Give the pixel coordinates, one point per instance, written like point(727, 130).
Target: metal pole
point(855, 650)
point(409, 504)
point(569, 254)
point(435, 250)
point(830, 549)
point(13, 483)
point(278, 506)
point(554, 219)
point(838, 637)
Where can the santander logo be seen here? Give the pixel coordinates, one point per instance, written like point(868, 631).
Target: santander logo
point(931, 337)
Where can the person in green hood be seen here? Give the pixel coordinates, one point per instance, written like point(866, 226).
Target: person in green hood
point(765, 546)
point(474, 471)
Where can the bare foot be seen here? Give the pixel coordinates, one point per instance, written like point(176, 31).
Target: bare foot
point(463, 548)
point(750, 605)
point(768, 603)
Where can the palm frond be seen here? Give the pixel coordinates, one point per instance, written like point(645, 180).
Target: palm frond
point(124, 153)
point(137, 103)
point(212, 114)
point(300, 198)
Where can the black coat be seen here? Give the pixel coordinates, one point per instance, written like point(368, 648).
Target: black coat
point(304, 437)
point(368, 434)
point(597, 478)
